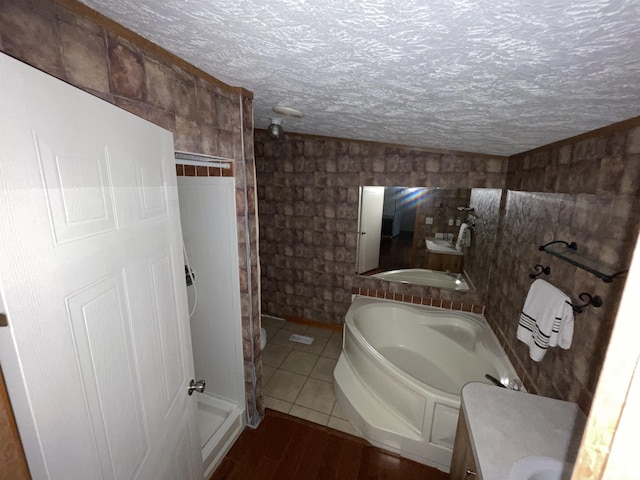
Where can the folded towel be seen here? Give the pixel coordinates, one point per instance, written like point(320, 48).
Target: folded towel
point(546, 319)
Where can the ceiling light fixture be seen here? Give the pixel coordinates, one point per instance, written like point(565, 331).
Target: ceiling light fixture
point(275, 130)
point(288, 111)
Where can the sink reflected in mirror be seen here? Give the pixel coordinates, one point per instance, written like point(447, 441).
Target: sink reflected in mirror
point(403, 231)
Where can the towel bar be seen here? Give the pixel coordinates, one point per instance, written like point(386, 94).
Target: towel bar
point(592, 300)
point(541, 269)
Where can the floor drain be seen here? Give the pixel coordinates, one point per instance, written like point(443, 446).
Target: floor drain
point(301, 339)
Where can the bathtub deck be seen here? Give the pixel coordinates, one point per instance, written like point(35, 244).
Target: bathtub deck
point(285, 447)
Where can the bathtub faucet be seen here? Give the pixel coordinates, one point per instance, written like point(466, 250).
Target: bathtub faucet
point(457, 276)
point(511, 383)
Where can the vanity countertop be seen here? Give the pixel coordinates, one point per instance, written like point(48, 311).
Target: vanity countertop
point(505, 425)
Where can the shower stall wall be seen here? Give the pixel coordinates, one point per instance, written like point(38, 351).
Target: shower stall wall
point(208, 217)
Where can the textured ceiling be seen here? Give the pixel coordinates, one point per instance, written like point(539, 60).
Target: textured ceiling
point(485, 76)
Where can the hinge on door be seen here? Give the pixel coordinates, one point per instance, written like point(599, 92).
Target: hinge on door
point(3, 320)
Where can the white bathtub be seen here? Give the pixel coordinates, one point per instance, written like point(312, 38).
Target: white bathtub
point(402, 369)
point(423, 276)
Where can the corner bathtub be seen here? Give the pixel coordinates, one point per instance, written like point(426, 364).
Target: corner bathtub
point(424, 276)
point(401, 371)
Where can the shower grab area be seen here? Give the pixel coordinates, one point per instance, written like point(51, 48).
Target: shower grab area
point(208, 217)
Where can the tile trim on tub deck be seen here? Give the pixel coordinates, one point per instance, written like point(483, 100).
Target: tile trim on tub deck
point(418, 300)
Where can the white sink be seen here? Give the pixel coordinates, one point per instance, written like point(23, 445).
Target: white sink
point(442, 241)
point(440, 245)
point(537, 467)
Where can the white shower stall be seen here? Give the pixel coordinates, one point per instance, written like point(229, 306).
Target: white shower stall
point(208, 218)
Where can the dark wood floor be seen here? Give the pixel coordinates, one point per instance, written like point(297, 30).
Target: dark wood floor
point(285, 447)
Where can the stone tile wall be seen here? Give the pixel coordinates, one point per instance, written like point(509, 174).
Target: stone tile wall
point(206, 116)
point(308, 199)
point(584, 190)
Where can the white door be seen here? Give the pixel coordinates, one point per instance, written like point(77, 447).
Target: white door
point(369, 228)
point(97, 354)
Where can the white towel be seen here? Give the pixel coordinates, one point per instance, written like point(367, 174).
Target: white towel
point(464, 237)
point(546, 319)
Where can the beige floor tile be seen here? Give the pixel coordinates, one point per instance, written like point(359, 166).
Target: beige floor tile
point(299, 362)
point(308, 414)
point(277, 404)
point(295, 327)
point(274, 355)
point(282, 338)
point(271, 332)
point(316, 395)
point(342, 425)
point(336, 336)
point(315, 348)
point(267, 373)
point(285, 386)
point(323, 369)
point(337, 412)
point(333, 349)
point(318, 332)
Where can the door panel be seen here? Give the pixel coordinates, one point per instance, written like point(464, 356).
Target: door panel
point(159, 268)
point(101, 327)
point(97, 355)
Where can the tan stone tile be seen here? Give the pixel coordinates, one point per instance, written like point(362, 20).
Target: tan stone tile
point(267, 373)
point(274, 355)
point(282, 338)
point(126, 69)
point(187, 135)
point(285, 385)
point(316, 395)
point(338, 412)
point(332, 350)
point(185, 98)
point(159, 84)
point(85, 58)
point(323, 369)
point(299, 362)
point(271, 331)
point(315, 348)
point(29, 33)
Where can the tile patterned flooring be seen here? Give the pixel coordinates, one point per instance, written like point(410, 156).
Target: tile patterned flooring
point(298, 378)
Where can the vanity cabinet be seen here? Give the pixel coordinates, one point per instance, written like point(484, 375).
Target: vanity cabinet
point(463, 464)
point(443, 262)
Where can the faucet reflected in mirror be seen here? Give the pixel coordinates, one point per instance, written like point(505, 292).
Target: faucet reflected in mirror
point(402, 228)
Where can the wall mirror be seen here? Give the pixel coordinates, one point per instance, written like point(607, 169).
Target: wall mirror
point(440, 237)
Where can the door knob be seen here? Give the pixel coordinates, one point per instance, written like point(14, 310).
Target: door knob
point(197, 386)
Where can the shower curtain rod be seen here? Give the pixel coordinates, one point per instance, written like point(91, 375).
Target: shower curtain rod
point(198, 159)
point(201, 163)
